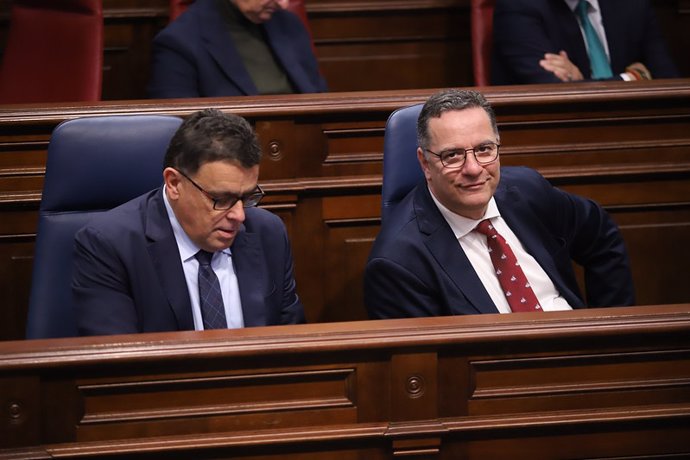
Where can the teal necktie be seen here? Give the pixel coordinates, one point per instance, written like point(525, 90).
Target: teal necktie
point(597, 55)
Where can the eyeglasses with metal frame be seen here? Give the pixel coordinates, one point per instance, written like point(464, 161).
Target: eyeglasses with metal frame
point(249, 200)
point(484, 153)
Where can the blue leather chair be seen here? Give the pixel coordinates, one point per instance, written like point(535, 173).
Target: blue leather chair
point(93, 164)
point(401, 170)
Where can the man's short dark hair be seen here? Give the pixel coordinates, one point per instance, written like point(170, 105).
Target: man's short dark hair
point(211, 135)
point(448, 100)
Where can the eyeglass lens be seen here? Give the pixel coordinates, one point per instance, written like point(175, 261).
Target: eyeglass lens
point(249, 200)
point(483, 153)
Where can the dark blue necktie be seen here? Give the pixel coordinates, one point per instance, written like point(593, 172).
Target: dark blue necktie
point(210, 297)
point(595, 49)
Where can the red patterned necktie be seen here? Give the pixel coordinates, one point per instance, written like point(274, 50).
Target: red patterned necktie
point(513, 281)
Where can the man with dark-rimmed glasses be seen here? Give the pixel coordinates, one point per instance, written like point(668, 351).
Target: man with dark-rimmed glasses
point(194, 254)
point(477, 238)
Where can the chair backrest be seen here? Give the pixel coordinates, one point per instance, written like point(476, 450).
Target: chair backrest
point(177, 7)
point(54, 52)
point(481, 30)
point(401, 170)
point(93, 164)
point(298, 7)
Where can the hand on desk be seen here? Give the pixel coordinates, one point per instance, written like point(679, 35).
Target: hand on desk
point(565, 70)
point(638, 71)
point(561, 66)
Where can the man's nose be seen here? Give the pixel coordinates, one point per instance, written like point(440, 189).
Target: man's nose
point(236, 212)
point(471, 165)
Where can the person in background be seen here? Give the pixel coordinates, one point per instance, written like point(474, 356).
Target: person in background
point(473, 237)
point(549, 41)
point(234, 48)
point(195, 253)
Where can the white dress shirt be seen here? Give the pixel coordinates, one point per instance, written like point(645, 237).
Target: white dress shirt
point(222, 265)
point(477, 251)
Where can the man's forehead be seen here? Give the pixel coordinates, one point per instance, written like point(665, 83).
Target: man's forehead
point(462, 113)
point(463, 122)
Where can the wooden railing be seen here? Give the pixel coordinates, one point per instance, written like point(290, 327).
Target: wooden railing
point(598, 383)
point(624, 145)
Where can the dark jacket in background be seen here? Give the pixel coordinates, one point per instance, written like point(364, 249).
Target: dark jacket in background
point(194, 56)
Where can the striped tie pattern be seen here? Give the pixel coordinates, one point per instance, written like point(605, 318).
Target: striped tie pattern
point(210, 296)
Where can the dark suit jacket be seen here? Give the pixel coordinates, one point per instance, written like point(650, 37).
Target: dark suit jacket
point(418, 268)
point(526, 29)
point(128, 276)
point(194, 56)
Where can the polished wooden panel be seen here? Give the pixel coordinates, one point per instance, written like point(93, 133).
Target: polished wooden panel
point(624, 145)
point(401, 44)
point(580, 384)
point(129, 28)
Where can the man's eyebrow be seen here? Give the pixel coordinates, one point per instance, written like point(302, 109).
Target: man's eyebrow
point(488, 141)
point(234, 194)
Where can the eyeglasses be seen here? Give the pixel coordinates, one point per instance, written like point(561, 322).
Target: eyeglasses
point(249, 200)
point(454, 158)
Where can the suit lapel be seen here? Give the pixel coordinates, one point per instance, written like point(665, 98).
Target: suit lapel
point(443, 245)
point(616, 34)
point(218, 42)
point(165, 256)
point(248, 261)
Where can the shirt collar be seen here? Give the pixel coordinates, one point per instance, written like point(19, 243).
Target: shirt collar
point(572, 4)
point(460, 225)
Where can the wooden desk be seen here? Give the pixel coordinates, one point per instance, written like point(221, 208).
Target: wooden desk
point(581, 384)
point(624, 145)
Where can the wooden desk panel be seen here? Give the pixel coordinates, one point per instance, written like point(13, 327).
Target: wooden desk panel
point(581, 384)
point(624, 145)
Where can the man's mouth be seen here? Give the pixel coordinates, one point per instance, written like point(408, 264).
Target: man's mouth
point(226, 232)
point(473, 185)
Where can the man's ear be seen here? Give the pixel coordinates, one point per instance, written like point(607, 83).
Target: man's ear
point(423, 163)
point(172, 179)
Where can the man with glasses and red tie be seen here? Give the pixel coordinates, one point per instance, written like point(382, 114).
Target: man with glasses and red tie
point(195, 253)
point(477, 238)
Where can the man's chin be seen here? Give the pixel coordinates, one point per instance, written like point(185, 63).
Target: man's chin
point(473, 206)
point(221, 242)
